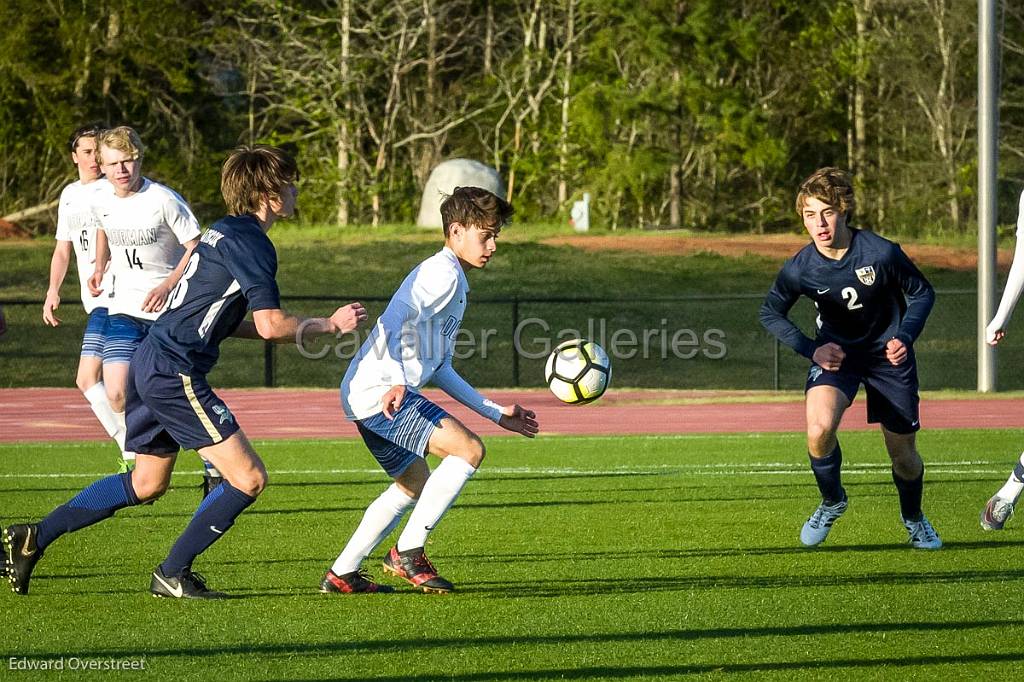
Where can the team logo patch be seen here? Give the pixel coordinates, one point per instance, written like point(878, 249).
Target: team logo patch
point(866, 275)
point(224, 413)
point(814, 373)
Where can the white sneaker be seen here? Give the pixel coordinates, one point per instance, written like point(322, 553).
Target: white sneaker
point(996, 513)
point(922, 535)
point(817, 527)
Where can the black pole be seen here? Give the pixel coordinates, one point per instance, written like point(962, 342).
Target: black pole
point(268, 364)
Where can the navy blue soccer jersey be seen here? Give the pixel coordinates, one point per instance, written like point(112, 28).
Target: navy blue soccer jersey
point(869, 296)
point(231, 271)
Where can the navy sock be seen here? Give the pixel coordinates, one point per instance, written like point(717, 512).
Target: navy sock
point(910, 495)
point(214, 516)
point(97, 502)
point(827, 473)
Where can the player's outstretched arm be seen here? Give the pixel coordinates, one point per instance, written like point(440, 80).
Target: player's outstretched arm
point(58, 270)
point(996, 329)
point(277, 325)
point(519, 420)
point(102, 261)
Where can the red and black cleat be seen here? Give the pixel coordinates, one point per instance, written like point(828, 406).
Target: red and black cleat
point(413, 566)
point(356, 581)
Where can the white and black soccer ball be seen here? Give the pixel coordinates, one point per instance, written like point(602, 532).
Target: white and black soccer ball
point(578, 371)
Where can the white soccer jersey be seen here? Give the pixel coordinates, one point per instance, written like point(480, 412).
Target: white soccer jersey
point(412, 338)
point(145, 232)
point(77, 224)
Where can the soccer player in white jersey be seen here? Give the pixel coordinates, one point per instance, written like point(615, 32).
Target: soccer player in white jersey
point(144, 236)
point(76, 231)
point(999, 508)
point(412, 345)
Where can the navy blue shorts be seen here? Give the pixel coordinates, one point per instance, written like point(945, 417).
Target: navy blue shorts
point(396, 443)
point(124, 334)
point(95, 337)
point(892, 391)
point(167, 410)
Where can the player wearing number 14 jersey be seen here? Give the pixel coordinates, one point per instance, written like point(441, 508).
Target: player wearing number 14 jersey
point(144, 232)
point(872, 303)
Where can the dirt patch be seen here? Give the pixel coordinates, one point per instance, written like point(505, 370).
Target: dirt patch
point(777, 246)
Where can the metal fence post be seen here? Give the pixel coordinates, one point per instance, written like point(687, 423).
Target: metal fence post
point(515, 347)
point(775, 364)
point(268, 364)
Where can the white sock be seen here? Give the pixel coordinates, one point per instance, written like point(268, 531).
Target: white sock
point(1011, 490)
point(211, 470)
point(439, 493)
point(97, 397)
point(122, 429)
point(381, 517)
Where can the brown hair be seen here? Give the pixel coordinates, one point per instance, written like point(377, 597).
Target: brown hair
point(830, 185)
point(252, 174)
point(123, 139)
point(475, 206)
point(93, 130)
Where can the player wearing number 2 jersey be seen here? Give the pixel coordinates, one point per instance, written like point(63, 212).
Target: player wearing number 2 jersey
point(872, 303)
point(144, 232)
point(171, 405)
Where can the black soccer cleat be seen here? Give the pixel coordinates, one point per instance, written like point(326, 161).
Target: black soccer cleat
point(21, 555)
point(349, 583)
point(413, 566)
point(209, 483)
point(188, 585)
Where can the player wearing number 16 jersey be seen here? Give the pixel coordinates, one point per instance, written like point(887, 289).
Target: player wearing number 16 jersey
point(872, 303)
point(171, 405)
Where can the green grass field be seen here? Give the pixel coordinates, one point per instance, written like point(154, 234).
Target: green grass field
point(574, 558)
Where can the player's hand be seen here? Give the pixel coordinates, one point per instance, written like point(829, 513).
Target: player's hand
point(347, 318)
point(829, 357)
point(95, 280)
point(994, 335)
point(519, 420)
point(392, 401)
point(49, 308)
point(896, 352)
point(156, 298)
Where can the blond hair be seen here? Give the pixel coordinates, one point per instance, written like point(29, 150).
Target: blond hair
point(122, 139)
point(252, 175)
point(830, 185)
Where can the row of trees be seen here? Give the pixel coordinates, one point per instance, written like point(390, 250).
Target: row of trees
point(670, 113)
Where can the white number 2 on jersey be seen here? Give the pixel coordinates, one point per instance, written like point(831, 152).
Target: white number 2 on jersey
point(178, 295)
point(850, 296)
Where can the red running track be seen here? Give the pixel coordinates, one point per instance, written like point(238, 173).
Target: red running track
point(54, 414)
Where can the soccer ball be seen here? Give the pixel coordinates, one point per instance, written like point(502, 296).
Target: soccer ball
point(578, 372)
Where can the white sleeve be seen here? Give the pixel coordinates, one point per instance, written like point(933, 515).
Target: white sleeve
point(449, 381)
point(431, 289)
point(392, 323)
point(180, 219)
point(63, 229)
point(1014, 282)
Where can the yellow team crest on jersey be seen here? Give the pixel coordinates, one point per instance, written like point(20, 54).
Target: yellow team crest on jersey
point(866, 275)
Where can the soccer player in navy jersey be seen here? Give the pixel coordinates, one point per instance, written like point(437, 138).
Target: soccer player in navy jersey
point(872, 304)
point(169, 403)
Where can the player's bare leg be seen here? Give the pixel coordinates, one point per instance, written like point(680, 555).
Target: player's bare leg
point(115, 380)
point(824, 407)
point(461, 452)
point(908, 475)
